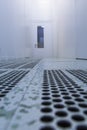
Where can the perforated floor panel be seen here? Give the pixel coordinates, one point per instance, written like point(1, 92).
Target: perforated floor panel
point(9, 80)
point(1, 71)
point(64, 103)
point(80, 74)
point(53, 101)
point(46, 99)
point(21, 63)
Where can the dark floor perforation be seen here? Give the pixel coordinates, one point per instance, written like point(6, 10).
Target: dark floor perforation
point(53, 86)
point(46, 103)
point(79, 100)
point(73, 91)
point(45, 90)
point(46, 98)
point(54, 89)
point(47, 128)
point(81, 127)
point(61, 113)
point(83, 105)
point(57, 100)
point(85, 97)
point(83, 93)
point(54, 92)
point(45, 93)
point(46, 119)
point(45, 87)
point(62, 102)
point(78, 118)
point(55, 95)
point(80, 89)
point(76, 95)
point(85, 112)
point(46, 110)
point(64, 124)
point(64, 93)
point(2, 95)
point(67, 97)
point(70, 102)
point(73, 109)
point(59, 106)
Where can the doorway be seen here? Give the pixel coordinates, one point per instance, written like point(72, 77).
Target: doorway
point(41, 40)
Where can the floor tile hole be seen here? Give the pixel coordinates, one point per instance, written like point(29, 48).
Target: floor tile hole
point(78, 118)
point(46, 103)
point(73, 91)
point(80, 89)
point(75, 95)
point(67, 97)
point(55, 91)
point(64, 124)
point(83, 93)
point(63, 90)
point(2, 95)
point(45, 93)
point(57, 100)
point(46, 110)
point(55, 95)
point(59, 106)
point(45, 87)
point(85, 97)
point(46, 98)
point(73, 109)
point(61, 114)
point(83, 105)
point(82, 127)
point(79, 100)
point(85, 112)
point(65, 93)
point(45, 90)
point(47, 128)
point(47, 119)
point(53, 86)
point(69, 102)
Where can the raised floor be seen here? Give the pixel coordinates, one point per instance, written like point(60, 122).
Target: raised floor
point(48, 94)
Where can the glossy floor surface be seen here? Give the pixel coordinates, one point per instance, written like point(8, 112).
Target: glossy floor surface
point(48, 94)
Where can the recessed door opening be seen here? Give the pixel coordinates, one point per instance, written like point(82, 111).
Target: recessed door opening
point(40, 37)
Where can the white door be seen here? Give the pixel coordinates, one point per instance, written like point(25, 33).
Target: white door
point(47, 51)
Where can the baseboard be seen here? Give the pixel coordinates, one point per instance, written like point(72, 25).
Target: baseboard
point(81, 59)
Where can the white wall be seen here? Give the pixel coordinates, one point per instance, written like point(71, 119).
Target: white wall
point(61, 15)
point(67, 17)
point(81, 28)
point(13, 41)
point(66, 28)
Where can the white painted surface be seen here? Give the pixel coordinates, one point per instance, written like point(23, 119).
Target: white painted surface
point(81, 28)
point(66, 28)
point(68, 17)
point(13, 29)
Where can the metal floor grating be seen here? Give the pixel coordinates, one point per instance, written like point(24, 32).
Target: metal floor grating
point(26, 63)
point(48, 98)
point(29, 65)
point(13, 66)
point(80, 74)
point(63, 103)
point(9, 80)
point(1, 71)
